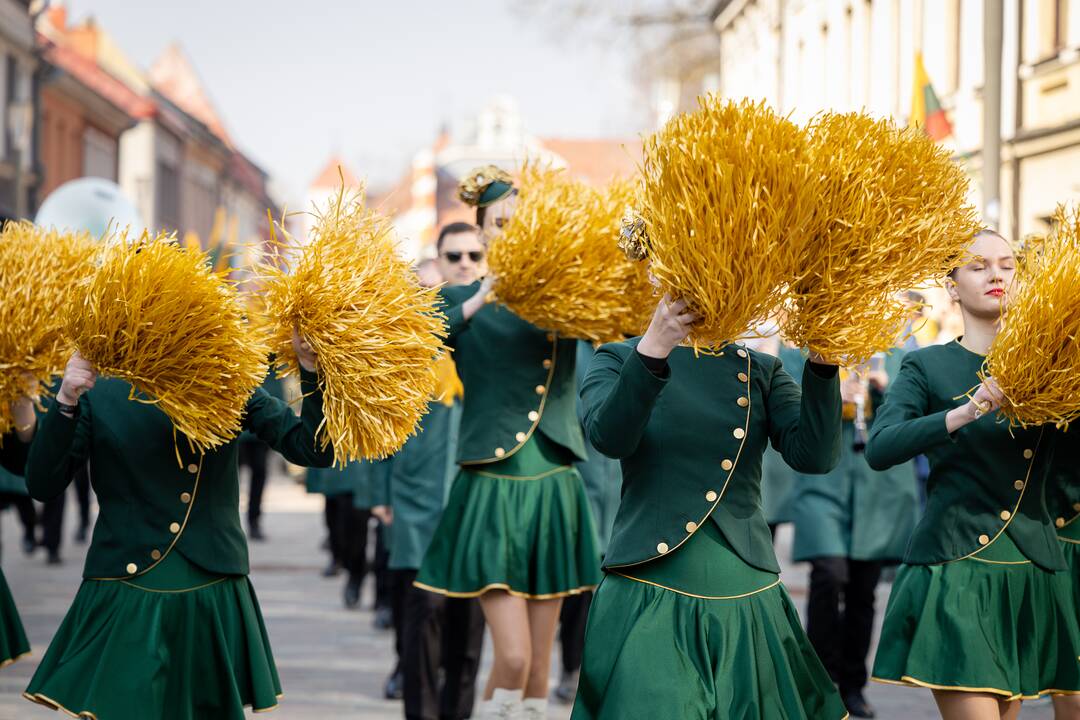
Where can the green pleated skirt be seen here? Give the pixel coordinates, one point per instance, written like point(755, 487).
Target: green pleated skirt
point(13, 642)
point(700, 635)
point(992, 623)
point(177, 643)
point(521, 525)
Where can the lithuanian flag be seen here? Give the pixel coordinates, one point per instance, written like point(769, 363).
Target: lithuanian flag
point(926, 110)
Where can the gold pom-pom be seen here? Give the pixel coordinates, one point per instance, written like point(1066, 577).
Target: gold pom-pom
point(558, 263)
point(890, 214)
point(377, 332)
point(726, 201)
point(1035, 359)
point(155, 313)
point(38, 269)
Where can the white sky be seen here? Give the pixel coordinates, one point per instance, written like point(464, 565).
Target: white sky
point(373, 81)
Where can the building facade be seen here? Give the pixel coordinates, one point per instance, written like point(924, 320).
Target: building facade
point(806, 56)
point(18, 99)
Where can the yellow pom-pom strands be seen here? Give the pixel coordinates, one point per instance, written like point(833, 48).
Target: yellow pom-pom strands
point(558, 263)
point(377, 332)
point(155, 314)
point(38, 269)
point(890, 214)
point(726, 201)
point(1035, 359)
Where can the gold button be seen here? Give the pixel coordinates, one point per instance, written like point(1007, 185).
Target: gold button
point(710, 496)
point(540, 389)
point(691, 527)
point(1060, 522)
point(662, 548)
point(174, 528)
point(534, 416)
point(185, 498)
point(499, 452)
point(983, 539)
point(741, 353)
point(1028, 454)
point(156, 554)
point(742, 377)
point(1005, 515)
point(743, 401)
point(727, 464)
point(739, 433)
point(551, 337)
point(132, 568)
point(1076, 507)
point(520, 437)
point(1019, 484)
point(547, 364)
point(193, 468)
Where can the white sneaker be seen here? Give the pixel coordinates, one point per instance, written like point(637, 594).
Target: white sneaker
point(534, 709)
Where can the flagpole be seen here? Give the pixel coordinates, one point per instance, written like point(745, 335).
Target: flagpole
point(993, 12)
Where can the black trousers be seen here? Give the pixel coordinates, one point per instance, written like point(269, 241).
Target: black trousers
point(384, 582)
point(840, 616)
point(438, 633)
point(52, 513)
point(348, 528)
point(254, 455)
point(572, 620)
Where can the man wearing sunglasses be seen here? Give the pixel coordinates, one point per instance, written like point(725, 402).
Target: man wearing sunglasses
point(462, 255)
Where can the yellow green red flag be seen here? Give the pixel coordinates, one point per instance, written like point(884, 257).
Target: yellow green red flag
point(926, 110)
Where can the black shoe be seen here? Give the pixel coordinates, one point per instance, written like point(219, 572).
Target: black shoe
point(395, 686)
point(29, 545)
point(352, 594)
point(80, 535)
point(255, 533)
point(332, 569)
point(384, 618)
point(856, 704)
point(54, 558)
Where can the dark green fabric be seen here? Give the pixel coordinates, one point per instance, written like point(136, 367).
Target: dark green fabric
point(13, 642)
point(501, 361)
point(358, 478)
point(13, 455)
point(494, 192)
point(521, 525)
point(651, 653)
point(973, 472)
point(275, 388)
point(674, 432)
point(705, 566)
point(853, 511)
point(188, 652)
point(602, 475)
point(419, 478)
point(1063, 485)
point(777, 478)
point(997, 624)
point(140, 487)
point(11, 483)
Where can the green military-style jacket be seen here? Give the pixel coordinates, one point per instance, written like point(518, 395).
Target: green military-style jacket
point(518, 380)
point(151, 505)
point(602, 475)
point(777, 479)
point(691, 443)
point(1063, 488)
point(853, 511)
point(418, 479)
point(984, 480)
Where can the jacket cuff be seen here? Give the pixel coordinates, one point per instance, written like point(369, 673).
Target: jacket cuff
point(309, 381)
point(638, 373)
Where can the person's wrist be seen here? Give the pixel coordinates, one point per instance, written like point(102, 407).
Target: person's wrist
point(66, 397)
point(650, 347)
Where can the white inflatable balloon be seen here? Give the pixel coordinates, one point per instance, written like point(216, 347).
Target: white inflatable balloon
point(91, 204)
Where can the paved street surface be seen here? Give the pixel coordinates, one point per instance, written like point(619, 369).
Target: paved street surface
point(332, 662)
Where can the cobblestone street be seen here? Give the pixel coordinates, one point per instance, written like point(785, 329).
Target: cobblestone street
point(332, 662)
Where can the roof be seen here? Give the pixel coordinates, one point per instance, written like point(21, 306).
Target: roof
point(90, 74)
point(597, 161)
point(174, 76)
point(332, 174)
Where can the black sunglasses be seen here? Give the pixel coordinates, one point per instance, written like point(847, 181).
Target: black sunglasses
point(455, 256)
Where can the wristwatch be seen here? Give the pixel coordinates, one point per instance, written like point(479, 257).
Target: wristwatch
point(65, 409)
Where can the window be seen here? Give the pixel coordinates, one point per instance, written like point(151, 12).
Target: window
point(99, 154)
point(1053, 24)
